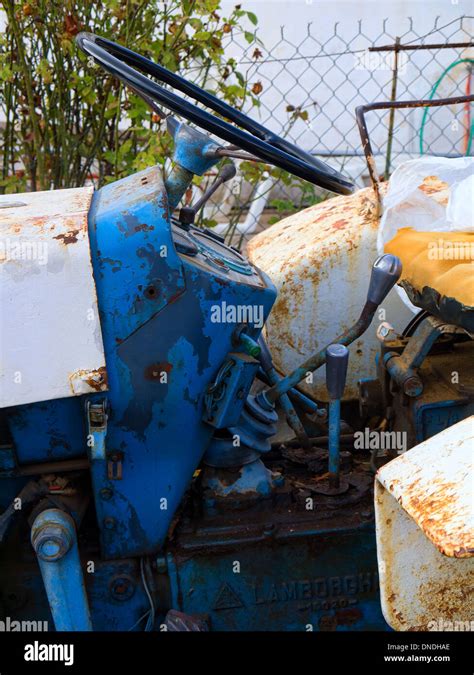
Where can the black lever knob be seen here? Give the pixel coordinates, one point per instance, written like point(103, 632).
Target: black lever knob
point(227, 172)
point(186, 217)
point(386, 271)
point(337, 357)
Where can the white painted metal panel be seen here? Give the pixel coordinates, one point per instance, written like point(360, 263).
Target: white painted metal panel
point(320, 261)
point(424, 507)
point(50, 337)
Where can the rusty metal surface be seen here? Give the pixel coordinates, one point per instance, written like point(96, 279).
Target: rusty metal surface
point(433, 484)
point(425, 533)
point(51, 343)
point(320, 261)
point(419, 586)
point(87, 381)
point(412, 47)
point(393, 105)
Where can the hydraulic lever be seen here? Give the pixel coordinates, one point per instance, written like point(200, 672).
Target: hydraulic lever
point(187, 214)
point(337, 357)
point(257, 422)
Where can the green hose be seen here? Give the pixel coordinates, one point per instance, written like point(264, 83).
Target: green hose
point(433, 92)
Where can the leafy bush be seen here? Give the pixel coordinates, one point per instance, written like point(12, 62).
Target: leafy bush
point(67, 122)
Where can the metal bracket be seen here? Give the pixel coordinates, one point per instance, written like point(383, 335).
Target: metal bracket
point(391, 105)
point(226, 396)
point(97, 427)
point(404, 368)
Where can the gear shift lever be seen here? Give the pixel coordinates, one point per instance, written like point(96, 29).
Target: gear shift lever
point(337, 357)
point(386, 271)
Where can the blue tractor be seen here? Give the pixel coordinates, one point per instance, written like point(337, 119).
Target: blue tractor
point(143, 483)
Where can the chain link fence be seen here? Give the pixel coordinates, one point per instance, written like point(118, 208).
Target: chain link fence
point(308, 93)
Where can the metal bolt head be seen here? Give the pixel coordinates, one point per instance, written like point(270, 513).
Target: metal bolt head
point(51, 542)
point(413, 386)
point(384, 331)
point(109, 523)
point(106, 494)
point(122, 587)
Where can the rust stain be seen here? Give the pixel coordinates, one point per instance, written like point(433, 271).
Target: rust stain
point(437, 497)
point(94, 380)
point(312, 224)
point(432, 184)
point(154, 371)
point(69, 237)
point(298, 254)
point(348, 617)
point(339, 224)
point(429, 514)
point(97, 379)
point(417, 589)
point(44, 210)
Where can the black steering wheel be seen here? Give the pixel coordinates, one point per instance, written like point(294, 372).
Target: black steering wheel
point(261, 142)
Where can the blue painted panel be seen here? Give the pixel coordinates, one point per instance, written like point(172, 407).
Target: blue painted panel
point(431, 419)
point(48, 431)
point(309, 582)
point(158, 426)
point(154, 425)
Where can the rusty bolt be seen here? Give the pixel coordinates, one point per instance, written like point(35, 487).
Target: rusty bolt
point(413, 386)
point(122, 587)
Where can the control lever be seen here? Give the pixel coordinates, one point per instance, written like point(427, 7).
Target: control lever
point(337, 357)
point(290, 412)
point(386, 271)
point(187, 214)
